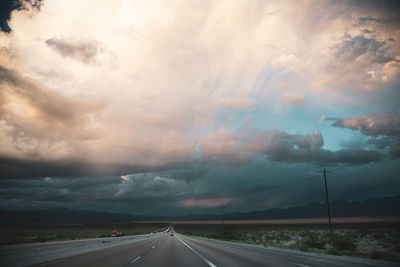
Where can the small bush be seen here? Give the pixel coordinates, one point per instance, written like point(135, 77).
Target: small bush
point(228, 235)
point(40, 239)
point(334, 251)
point(376, 255)
point(312, 242)
point(342, 243)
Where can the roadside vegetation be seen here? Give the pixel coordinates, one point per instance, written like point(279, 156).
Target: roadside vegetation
point(29, 233)
point(369, 240)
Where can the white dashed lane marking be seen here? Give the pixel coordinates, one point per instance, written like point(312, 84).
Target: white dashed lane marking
point(135, 260)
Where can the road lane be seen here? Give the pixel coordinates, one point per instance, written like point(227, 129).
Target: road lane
point(170, 252)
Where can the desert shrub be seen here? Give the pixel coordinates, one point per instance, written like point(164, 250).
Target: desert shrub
point(376, 255)
point(378, 235)
point(60, 236)
point(229, 235)
point(313, 242)
point(334, 251)
point(40, 239)
point(342, 243)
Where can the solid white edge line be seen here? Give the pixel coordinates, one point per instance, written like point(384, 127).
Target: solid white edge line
point(198, 254)
point(138, 258)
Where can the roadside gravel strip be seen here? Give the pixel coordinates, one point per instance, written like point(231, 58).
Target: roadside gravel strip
point(29, 254)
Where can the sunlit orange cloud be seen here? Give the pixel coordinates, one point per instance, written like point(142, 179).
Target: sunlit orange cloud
point(206, 202)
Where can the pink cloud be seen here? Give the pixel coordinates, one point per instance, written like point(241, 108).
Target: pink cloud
point(206, 202)
point(292, 99)
point(372, 124)
point(249, 142)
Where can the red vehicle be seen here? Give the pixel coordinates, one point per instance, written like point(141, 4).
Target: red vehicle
point(116, 233)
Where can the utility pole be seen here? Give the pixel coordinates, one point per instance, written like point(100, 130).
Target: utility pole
point(327, 202)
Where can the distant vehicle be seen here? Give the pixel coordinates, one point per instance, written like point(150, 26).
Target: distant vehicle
point(172, 234)
point(116, 233)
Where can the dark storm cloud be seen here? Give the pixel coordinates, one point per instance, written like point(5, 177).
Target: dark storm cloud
point(386, 7)
point(58, 190)
point(256, 186)
point(368, 31)
point(387, 142)
point(31, 168)
point(249, 143)
point(354, 47)
point(391, 20)
point(83, 50)
point(323, 156)
point(138, 191)
point(7, 6)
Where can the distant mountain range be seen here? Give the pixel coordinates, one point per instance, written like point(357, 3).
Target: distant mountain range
point(373, 207)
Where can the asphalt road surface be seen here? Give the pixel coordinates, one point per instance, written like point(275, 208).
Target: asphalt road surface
point(179, 250)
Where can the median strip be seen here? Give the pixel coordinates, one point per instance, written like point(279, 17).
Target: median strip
point(198, 254)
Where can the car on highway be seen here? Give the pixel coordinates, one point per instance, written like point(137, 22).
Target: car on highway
point(172, 234)
point(116, 233)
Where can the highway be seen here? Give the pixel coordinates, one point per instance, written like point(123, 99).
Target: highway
point(176, 250)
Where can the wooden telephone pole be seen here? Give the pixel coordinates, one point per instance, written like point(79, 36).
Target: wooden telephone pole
point(327, 202)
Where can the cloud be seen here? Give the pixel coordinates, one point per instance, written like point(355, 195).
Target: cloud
point(354, 47)
point(256, 186)
point(35, 166)
point(383, 128)
point(250, 142)
point(293, 99)
point(84, 50)
point(371, 124)
point(167, 77)
point(206, 202)
point(240, 103)
point(38, 123)
point(369, 20)
point(43, 103)
point(361, 62)
point(321, 119)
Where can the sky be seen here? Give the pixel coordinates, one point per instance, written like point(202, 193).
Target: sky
point(197, 107)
